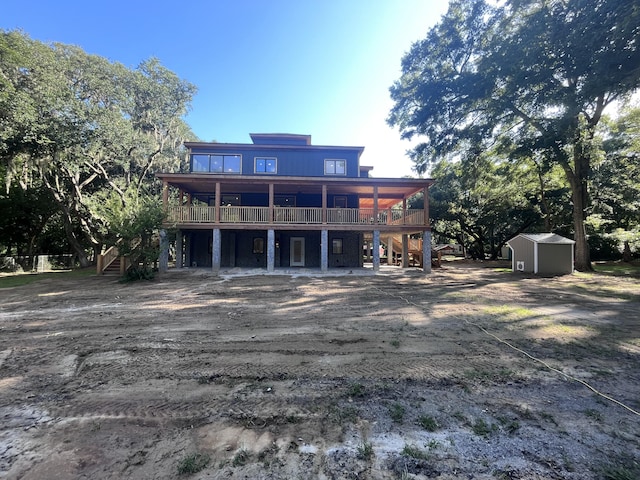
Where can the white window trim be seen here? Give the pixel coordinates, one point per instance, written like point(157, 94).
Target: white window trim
point(255, 165)
point(217, 155)
point(335, 160)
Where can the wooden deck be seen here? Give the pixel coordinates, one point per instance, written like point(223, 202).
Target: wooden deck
point(292, 216)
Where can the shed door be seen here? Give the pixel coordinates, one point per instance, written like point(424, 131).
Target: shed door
point(296, 255)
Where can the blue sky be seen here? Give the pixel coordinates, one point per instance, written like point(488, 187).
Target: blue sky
point(318, 67)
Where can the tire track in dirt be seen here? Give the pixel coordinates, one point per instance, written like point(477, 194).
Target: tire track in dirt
point(179, 410)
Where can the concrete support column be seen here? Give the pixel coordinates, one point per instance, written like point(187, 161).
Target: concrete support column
point(426, 251)
point(405, 251)
point(390, 248)
point(179, 249)
point(187, 250)
point(163, 261)
point(324, 250)
point(216, 251)
point(376, 250)
point(271, 250)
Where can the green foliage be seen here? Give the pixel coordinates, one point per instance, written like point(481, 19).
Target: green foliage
point(528, 76)
point(396, 412)
point(194, 463)
point(241, 458)
point(365, 451)
point(482, 428)
point(134, 225)
point(428, 423)
point(413, 451)
point(481, 202)
point(86, 128)
point(24, 216)
point(356, 390)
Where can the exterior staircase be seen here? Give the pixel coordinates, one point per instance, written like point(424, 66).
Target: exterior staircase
point(113, 268)
point(112, 263)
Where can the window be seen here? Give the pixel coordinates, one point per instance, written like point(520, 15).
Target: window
point(284, 200)
point(216, 163)
point(230, 200)
point(336, 246)
point(200, 163)
point(266, 165)
point(339, 202)
point(335, 167)
point(258, 245)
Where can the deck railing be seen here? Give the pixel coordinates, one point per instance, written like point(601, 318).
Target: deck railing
point(292, 215)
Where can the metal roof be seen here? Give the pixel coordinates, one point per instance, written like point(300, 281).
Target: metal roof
point(552, 238)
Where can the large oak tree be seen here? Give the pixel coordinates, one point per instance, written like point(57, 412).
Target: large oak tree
point(534, 74)
point(86, 128)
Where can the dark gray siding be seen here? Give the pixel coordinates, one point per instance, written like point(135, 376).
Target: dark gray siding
point(237, 248)
point(299, 162)
point(522, 252)
point(555, 258)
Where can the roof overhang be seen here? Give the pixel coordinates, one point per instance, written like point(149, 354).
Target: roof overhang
point(390, 191)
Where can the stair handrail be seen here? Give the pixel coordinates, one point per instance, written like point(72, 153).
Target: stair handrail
point(107, 258)
point(111, 254)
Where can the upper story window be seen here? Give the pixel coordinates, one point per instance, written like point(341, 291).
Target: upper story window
point(216, 163)
point(335, 167)
point(266, 165)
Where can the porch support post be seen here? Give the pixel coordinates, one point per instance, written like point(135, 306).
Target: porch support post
point(425, 195)
point(324, 250)
point(271, 250)
point(165, 194)
point(216, 251)
point(375, 205)
point(426, 251)
point(216, 208)
point(390, 248)
point(324, 203)
point(405, 250)
point(404, 211)
point(163, 261)
point(271, 195)
point(179, 249)
point(376, 250)
point(187, 250)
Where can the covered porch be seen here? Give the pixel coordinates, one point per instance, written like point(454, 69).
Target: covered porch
point(251, 219)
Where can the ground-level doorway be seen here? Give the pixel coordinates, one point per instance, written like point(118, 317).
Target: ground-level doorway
point(296, 252)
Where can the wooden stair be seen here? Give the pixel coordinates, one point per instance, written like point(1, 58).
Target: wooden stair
point(113, 268)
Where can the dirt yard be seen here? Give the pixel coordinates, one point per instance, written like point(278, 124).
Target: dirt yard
point(470, 372)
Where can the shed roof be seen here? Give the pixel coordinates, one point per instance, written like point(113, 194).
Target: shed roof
point(545, 238)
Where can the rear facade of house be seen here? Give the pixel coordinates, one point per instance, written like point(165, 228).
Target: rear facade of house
point(282, 202)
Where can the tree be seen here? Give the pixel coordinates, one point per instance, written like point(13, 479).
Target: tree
point(482, 202)
point(134, 229)
point(617, 177)
point(537, 74)
point(83, 124)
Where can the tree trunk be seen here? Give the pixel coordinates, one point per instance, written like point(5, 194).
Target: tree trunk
point(580, 198)
point(74, 243)
point(582, 253)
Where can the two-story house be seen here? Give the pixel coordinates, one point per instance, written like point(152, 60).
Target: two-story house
point(283, 202)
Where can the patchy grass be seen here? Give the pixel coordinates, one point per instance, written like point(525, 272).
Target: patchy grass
point(482, 428)
point(428, 423)
point(194, 463)
point(509, 313)
point(365, 451)
point(396, 412)
point(9, 280)
point(241, 458)
point(356, 390)
point(620, 269)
